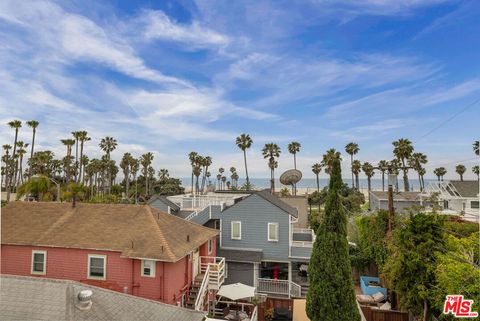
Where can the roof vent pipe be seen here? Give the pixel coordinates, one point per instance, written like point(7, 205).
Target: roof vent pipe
point(188, 238)
point(84, 300)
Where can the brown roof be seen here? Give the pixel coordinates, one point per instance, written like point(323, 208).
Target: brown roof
point(135, 230)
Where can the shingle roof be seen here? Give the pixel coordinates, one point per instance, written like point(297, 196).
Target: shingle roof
point(466, 188)
point(240, 255)
point(165, 201)
point(265, 194)
point(134, 230)
point(397, 196)
point(31, 298)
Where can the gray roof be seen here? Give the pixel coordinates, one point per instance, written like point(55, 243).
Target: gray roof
point(32, 298)
point(165, 201)
point(265, 194)
point(240, 255)
point(397, 196)
point(466, 188)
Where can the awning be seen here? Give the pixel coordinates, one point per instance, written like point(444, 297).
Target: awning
point(236, 291)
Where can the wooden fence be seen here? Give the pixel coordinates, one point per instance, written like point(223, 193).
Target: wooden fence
point(374, 314)
point(273, 303)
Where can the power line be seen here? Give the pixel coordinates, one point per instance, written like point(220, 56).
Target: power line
point(449, 119)
point(454, 162)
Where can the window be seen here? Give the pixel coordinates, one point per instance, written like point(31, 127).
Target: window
point(39, 262)
point(97, 266)
point(148, 268)
point(273, 232)
point(210, 246)
point(474, 204)
point(236, 230)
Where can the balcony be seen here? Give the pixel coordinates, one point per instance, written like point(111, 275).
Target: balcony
point(279, 287)
point(302, 243)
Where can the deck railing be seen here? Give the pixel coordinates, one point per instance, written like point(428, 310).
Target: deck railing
point(254, 316)
point(203, 291)
point(216, 268)
point(199, 202)
point(282, 287)
point(303, 243)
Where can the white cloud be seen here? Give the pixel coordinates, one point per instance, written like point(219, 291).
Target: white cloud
point(159, 26)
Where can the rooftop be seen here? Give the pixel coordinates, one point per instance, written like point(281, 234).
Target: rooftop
point(466, 188)
point(397, 196)
point(137, 231)
point(32, 298)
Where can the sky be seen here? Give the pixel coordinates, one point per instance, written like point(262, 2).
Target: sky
point(172, 77)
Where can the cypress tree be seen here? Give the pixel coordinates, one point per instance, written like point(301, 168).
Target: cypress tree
point(331, 296)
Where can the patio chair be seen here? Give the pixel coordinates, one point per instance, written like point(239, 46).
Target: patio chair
point(371, 299)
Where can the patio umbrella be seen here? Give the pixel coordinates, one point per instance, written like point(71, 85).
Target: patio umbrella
point(236, 291)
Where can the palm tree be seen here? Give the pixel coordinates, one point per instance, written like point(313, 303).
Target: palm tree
point(207, 161)
point(197, 171)
point(220, 170)
point(422, 171)
point(352, 149)
point(416, 161)
point(20, 152)
point(135, 166)
point(294, 148)
point(15, 124)
point(356, 168)
point(219, 177)
point(328, 158)
point(83, 163)
point(393, 168)
point(382, 165)
point(316, 169)
point(126, 166)
point(163, 174)
point(244, 142)
point(33, 124)
point(83, 137)
point(402, 150)
point(440, 172)
point(460, 169)
point(146, 160)
point(224, 179)
point(270, 151)
point(369, 172)
point(108, 145)
point(476, 171)
point(67, 159)
point(192, 157)
point(476, 147)
point(76, 136)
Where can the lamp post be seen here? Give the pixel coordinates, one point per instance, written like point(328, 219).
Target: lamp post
point(54, 181)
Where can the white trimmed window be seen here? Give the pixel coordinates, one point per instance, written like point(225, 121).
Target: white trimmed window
point(39, 262)
point(236, 230)
point(210, 246)
point(273, 232)
point(148, 268)
point(97, 267)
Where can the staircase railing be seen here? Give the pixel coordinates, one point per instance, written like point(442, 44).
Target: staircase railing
point(216, 266)
point(203, 291)
point(254, 316)
point(295, 290)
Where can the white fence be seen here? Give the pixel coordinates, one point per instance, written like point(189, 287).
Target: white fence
point(283, 287)
point(216, 268)
point(203, 291)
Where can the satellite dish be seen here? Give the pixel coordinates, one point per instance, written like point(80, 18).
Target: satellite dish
point(291, 177)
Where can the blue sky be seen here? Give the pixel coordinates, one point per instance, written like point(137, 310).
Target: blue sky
point(176, 76)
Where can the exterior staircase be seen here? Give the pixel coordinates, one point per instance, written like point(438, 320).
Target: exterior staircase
point(304, 290)
point(194, 291)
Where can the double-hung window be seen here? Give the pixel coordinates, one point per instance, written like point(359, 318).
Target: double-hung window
point(148, 268)
point(273, 232)
point(39, 262)
point(236, 230)
point(97, 267)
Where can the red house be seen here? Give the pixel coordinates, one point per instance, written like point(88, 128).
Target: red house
point(134, 249)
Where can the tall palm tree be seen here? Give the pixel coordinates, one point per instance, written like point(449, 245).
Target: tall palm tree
point(316, 169)
point(476, 171)
point(108, 145)
point(67, 160)
point(76, 136)
point(369, 171)
point(126, 166)
point(403, 149)
point(422, 171)
point(83, 163)
point(356, 168)
point(192, 157)
point(15, 124)
point(270, 151)
point(224, 179)
point(352, 149)
point(294, 148)
point(207, 162)
point(163, 174)
point(417, 160)
point(476, 148)
point(244, 142)
point(146, 160)
point(460, 169)
point(383, 164)
point(328, 158)
point(219, 177)
point(393, 168)
point(220, 170)
point(197, 171)
point(82, 136)
point(33, 124)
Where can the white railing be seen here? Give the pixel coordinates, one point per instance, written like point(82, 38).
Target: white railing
point(254, 316)
point(302, 230)
point(295, 290)
point(302, 244)
point(216, 268)
point(203, 291)
point(200, 202)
